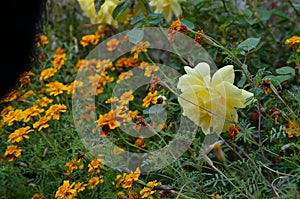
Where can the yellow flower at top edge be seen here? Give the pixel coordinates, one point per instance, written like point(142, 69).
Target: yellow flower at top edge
point(167, 7)
point(146, 191)
point(211, 102)
point(292, 41)
point(104, 16)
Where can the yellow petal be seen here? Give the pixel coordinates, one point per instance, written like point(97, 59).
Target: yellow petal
point(225, 73)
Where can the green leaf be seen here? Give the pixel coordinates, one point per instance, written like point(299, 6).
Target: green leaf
point(120, 9)
point(285, 71)
point(137, 19)
point(248, 44)
point(277, 80)
point(135, 35)
point(242, 81)
point(187, 23)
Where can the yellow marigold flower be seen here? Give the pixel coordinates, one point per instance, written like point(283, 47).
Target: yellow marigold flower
point(111, 100)
point(89, 39)
point(56, 88)
point(6, 110)
point(140, 142)
point(167, 7)
point(149, 68)
point(26, 95)
point(215, 196)
point(140, 47)
point(104, 16)
point(65, 191)
point(41, 123)
point(55, 110)
point(108, 119)
point(150, 98)
point(31, 112)
point(19, 134)
point(147, 191)
point(48, 72)
point(94, 181)
point(94, 166)
point(127, 180)
point(124, 75)
point(133, 114)
point(13, 116)
point(112, 44)
point(13, 151)
point(79, 186)
point(72, 165)
point(36, 196)
point(125, 62)
point(25, 78)
point(73, 86)
point(209, 101)
point(11, 96)
point(126, 97)
point(292, 41)
point(44, 39)
point(44, 101)
point(59, 60)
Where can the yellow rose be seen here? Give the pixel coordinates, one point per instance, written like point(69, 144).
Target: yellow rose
point(167, 7)
point(211, 102)
point(104, 16)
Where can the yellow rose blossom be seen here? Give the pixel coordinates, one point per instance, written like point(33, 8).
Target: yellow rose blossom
point(13, 151)
point(48, 72)
point(147, 191)
point(211, 102)
point(104, 16)
point(19, 134)
point(167, 7)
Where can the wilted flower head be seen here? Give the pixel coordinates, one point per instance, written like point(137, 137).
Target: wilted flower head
point(211, 102)
point(167, 7)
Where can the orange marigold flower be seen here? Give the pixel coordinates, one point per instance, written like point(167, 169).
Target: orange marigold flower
point(146, 191)
point(36, 196)
point(55, 110)
point(41, 123)
point(150, 98)
point(48, 72)
point(125, 62)
point(234, 131)
point(112, 44)
point(65, 191)
point(124, 75)
point(19, 134)
point(59, 60)
point(215, 196)
point(292, 129)
point(13, 116)
point(6, 110)
point(44, 39)
point(44, 101)
point(73, 86)
point(126, 97)
point(175, 27)
point(149, 68)
point(56, 88)
point(292, 41)
point(127, 180)
point(140, 47)
point(94, 181)
point(111, 100)
point(140, 143)
point(31, 112)
point(11, 96)
point(82, 64)
point(26, 95)
point(108, 119)
point(89, 39)
point(13, 151)
point(72, 165)
point(25, 78)
point(79, 186)
point(94, 166)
